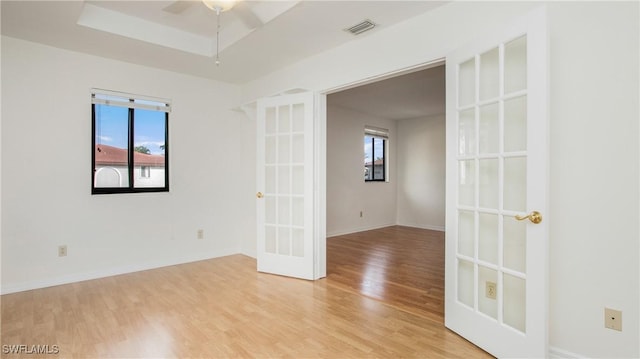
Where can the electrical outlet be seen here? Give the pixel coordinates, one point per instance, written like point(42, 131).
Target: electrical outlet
point(612, 319)
point(62, 251)
point(360, 214)
point(200, 234)
point(491, 290)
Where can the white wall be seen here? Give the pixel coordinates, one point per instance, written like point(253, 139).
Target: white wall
point(347, 192)
point(417, 174)
point(594, 176)
point(421, 172)
point(46, 120)
point(594, 179)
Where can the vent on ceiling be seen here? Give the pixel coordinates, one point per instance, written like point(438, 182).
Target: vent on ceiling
point(361, 27)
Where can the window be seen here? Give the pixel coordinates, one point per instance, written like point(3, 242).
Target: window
point(145, 171)
point(375, 154)
point(129, 143)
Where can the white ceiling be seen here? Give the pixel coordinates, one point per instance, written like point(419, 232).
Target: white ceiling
point(413, 95)
point(141, 32)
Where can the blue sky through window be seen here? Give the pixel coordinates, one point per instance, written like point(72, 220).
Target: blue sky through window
point(369, 147)
point(112, 128)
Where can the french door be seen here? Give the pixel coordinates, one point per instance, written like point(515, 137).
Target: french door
point(285, 149)
point(496, 227)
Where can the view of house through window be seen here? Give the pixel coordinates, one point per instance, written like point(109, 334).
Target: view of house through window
point(375, 140)
point(129, 144)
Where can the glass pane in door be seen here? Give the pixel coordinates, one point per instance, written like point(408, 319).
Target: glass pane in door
point(492, 183)
point(465, 282)
point(488, 237)
point(466, 233)
point(515, 124)
point(515, 65)
point(514, 302)
point(467, 80)
point(489, 140)
point(486, 304)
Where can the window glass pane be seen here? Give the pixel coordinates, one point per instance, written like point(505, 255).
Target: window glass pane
point(374, 161)
point(111, 150)
point(149, 148)
point(378, 162)
point(368, 158)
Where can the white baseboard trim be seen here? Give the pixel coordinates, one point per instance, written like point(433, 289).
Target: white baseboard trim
point(362, 229)
point(423, 226)
point(108, 272)
point(356, 230)
point(557, 353)
point(252, 255)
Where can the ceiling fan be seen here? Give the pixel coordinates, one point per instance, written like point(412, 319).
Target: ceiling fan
point(240, 8)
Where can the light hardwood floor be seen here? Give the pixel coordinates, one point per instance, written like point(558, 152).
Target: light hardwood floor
point(400, 266)
point(222, 308)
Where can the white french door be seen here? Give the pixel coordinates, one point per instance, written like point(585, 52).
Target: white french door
point(496, 227)
point(285, 185)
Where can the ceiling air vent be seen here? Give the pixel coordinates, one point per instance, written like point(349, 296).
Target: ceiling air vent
point(359, 28)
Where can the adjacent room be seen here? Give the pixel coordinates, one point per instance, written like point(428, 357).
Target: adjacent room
point(319, 179)
point(393, 216)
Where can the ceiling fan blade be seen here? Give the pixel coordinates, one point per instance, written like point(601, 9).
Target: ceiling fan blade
point(178, 7)
point(247, 16)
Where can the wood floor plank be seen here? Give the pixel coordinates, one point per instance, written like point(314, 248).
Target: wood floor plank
point(401, 266)
point(223, 308)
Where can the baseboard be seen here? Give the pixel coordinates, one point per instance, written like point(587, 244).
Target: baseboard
point(557, 353)
point(108, 272)
point(252, 255)
point(423, 226)
point(356, 230)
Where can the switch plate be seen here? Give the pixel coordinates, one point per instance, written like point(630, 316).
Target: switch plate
point(612, 319)
point(491, 290)
point(62, 251)
point(200, 234)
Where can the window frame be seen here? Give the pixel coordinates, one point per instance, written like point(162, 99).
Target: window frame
point(132, 106)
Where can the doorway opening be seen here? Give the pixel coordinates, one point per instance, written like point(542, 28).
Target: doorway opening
point(386, 238)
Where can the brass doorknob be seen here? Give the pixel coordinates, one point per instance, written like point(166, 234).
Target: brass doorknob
point(259, 195)
point(535, 217)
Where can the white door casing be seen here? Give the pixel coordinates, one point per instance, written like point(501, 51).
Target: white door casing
point(497, 145)
point(285, 191)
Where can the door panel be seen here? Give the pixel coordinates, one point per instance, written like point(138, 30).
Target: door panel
point(496, 265)
point(285, 185)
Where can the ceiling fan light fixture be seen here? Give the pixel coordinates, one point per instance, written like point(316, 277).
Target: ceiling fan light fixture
point(219, 5)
